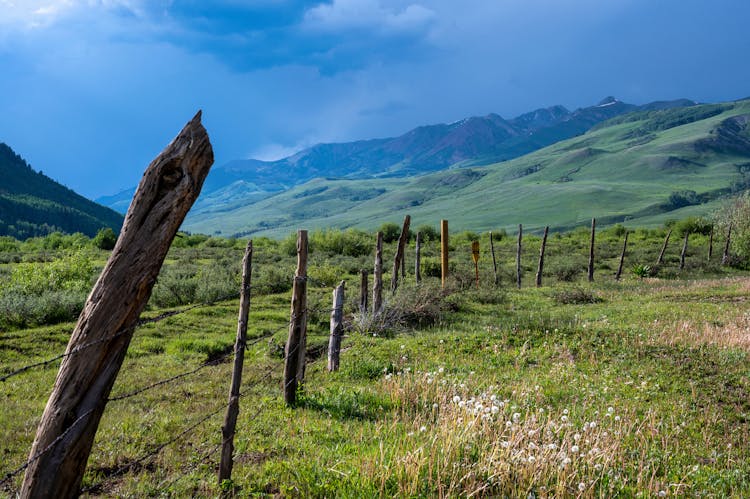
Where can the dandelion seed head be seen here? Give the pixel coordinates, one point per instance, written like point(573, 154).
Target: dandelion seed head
point(581, 487)
point(575, 449)
point(662, 493)
point(422, 429)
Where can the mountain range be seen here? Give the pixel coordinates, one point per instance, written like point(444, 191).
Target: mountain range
point(32, 204)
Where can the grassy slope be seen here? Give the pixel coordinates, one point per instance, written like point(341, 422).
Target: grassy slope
point(604, 173)
point(659, 352)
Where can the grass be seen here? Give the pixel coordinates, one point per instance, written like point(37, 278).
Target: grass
point(659, 365)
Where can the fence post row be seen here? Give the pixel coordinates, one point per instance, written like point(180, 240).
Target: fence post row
point(337, 328)
point(518, 256)
point(399, 258)
point(591, 250)
point(541, 258)
point(294, 365)
point(233, 409)
point(168, 189)
point(622, 257)
point(377, 285)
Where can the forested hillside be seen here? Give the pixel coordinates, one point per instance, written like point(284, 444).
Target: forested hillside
point(32, 204)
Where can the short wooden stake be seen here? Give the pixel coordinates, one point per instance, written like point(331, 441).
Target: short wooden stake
point(725, 256)
point(684, 250)
point(660, 260)
point(494, 261)
point(541, 258)
point(622, 257)
point(444, 251)
point(377, 284)
point(418, 259)
point(364, 291)
point(518, 256)
point(233, 409)
point(337, 328)
point(398, 259)
point(296, 345)
point(591, 250)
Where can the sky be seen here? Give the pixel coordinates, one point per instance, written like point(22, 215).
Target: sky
point(92, 90)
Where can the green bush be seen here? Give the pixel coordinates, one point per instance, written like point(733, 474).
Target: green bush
point(105, 239)
point(391, 232)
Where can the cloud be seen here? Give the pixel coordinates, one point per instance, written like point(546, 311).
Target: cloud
point(343, 15)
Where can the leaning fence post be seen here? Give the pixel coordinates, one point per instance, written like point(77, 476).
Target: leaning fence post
point(377, 284)
point(418, 259)
point(233, 409)
point(725, 256)
point(337, 328)
point(622, 257)
point(684, 250)
point(105, 327)
point(294, 353)
point(591, 250)
point(541, 258)
point(363, 292)
point(399, 258)
point(660, 259)
point(494, 261)
point(518, 256)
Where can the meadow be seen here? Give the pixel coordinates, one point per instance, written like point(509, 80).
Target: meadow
point(630, 388)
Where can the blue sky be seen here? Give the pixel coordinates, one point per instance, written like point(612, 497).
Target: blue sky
point(92, 90)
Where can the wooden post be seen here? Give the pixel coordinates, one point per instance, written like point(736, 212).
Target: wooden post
point(518, 256)
point(622, 257)
point(711, 243)
point(591, 250)
point(418, 259)
point(494, 261)
point(233, 409)
point(444, 251)
point(403, 265)
point(377, 284)
point(684, 250)
point(105, 327)
point(725, 256)
point(541, 258)
point(337, 328)
point(363, 292)
point(294, 365)
point(660, 260)
point(475, 257)
point(400, 252)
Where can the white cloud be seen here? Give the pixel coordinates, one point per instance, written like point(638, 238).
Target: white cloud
point(367, 14)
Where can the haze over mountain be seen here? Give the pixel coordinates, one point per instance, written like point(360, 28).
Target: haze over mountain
point(32, 204)
point(643, 167)
point(471, 141)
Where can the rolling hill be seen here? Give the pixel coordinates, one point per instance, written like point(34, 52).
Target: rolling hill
point(641, 168)
point(32, 204)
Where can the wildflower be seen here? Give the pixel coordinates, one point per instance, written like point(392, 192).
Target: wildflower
point(552, 446)
point(461, 403)
point(662, 493)
point(435, 407)
point(564, 419)
point(508, 424)
point(516, 417)
point(581, 487)
point(617, 418)
point(441, 370)
point(592, 425)
point(577, 437)
point(403, 346)
point(575, 449)
point(504, 444)
point(422, 429)
point(566, 461)
point(495, 409)
point(610, 409)
point(532, 459)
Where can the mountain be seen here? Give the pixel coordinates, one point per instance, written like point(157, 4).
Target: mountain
point(654, 163)
point(32, 204)
point(471, 141)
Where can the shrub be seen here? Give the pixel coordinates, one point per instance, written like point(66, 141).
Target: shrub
point(391, 232)
point(575, 296)
point(105, 239)
point(336, 242)
point(429, 233)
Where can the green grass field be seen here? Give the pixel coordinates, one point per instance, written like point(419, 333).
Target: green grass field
point(637, 388)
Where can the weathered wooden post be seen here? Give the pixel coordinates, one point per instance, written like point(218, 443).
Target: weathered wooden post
point(684, 250)
point(475, 257)
point(540, 269)
point(337, 328)
point(377, 284)
point(622, 257)
point(725, 256)
point(444, 251)
point(494, 261)
point(518, 256)
point(397, 260)
point(233, 409)
point(296, 345)
point(418, 259)
point(363, 291)
point(660, 259)
point(711, 243)
point(591, 250)
point(105, 327)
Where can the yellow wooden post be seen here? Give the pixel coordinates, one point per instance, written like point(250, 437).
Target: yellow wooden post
point(475, 256)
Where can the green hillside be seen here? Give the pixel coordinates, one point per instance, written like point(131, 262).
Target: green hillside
point(640, 168)
point(32, 204)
